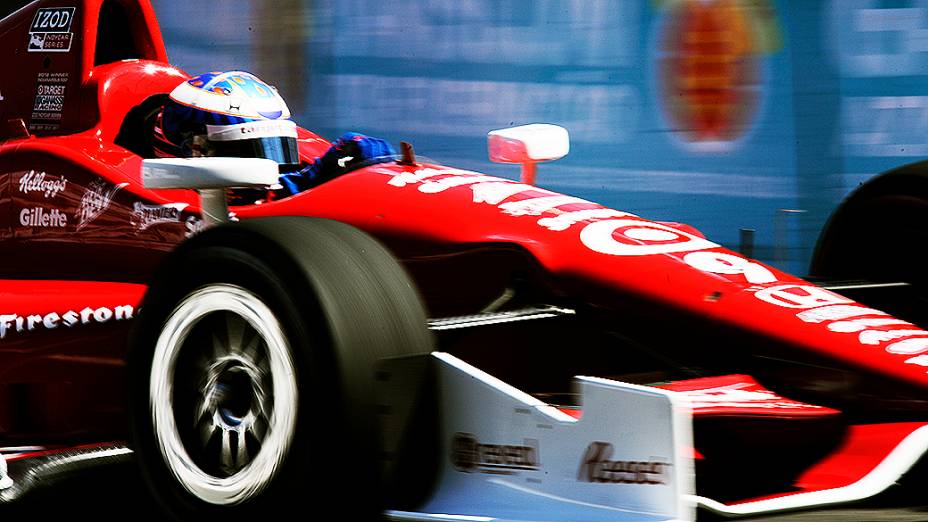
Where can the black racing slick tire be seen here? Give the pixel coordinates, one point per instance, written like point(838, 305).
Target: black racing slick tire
point(252, 369)
point(879, 234)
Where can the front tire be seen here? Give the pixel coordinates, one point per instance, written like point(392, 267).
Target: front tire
point(223, 394)
point(252, 368)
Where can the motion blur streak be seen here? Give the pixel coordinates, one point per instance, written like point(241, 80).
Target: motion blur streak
point(752, 109)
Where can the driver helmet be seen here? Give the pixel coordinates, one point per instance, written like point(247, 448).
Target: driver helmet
point(231, 114)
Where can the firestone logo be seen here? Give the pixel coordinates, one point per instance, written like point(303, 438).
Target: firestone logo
point(595, 466)
point(49, 186)
point(70, 318)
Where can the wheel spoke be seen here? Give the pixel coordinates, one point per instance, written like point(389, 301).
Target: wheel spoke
point(200, 411)
point(226, 463)
point(235, 332)
point(260, 359)
point(242, 457)
point(203, 363)
point(220, 347)
point(251, 346)
point(207, 430)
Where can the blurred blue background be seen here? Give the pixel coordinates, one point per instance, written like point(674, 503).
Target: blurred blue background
point(724, 114)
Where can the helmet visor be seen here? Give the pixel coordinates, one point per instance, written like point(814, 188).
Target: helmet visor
point(282, 149)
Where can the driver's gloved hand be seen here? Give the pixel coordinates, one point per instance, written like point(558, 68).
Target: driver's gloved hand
point(347, 153)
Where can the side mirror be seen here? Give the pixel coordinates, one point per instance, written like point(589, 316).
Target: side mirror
point(528, 145)
point(210, 177)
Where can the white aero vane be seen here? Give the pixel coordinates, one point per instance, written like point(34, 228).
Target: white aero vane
point(210, 177)
point(509, 456)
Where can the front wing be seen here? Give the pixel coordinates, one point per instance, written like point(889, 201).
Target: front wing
point(629, 454)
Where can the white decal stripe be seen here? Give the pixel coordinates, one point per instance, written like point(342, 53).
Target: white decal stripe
point(885, 474)
point(729, 264)
point(861, 324)
point(512, 391)
point(875, 337)
point(535, 206)
point(836, 312)
point(407, 178)
point(433, 517)
point(494, 192)
point(600, 237)
point(912, 346)
point(566, 220)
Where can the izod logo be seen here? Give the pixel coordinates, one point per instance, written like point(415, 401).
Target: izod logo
point(52, 20)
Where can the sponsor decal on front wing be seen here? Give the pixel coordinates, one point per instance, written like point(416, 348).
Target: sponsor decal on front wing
point(597, 466)
point(469, 455)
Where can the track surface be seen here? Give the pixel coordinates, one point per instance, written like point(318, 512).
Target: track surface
point(116, 492)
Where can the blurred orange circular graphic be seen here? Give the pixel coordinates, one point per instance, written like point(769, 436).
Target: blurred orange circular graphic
point(709, 69)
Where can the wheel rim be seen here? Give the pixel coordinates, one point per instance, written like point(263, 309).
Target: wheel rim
point(223, 394)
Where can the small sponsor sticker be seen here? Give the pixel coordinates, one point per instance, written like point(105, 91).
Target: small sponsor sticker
point(96, 199)
point(194, 226)
point(144, 216)
point(51, 30)
point(49, 102)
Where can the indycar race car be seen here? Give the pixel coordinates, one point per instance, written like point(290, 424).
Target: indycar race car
point(432, 343)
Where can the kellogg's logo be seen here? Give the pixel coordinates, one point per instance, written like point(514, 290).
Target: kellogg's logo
point(49, 186)
point(469, 455)
point(96, 199)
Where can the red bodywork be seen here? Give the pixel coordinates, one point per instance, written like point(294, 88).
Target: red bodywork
point(80, 233)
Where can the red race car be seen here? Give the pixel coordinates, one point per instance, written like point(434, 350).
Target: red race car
point(407, 332)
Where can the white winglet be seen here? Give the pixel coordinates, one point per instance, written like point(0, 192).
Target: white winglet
point(528, 145)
